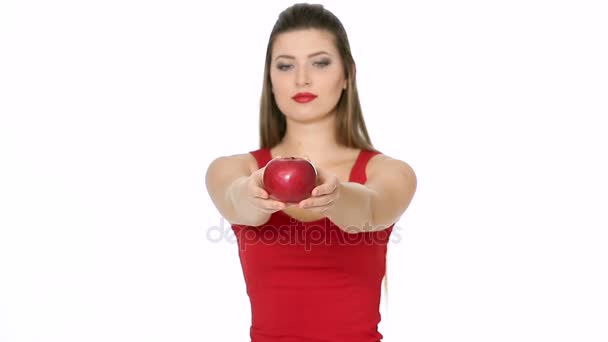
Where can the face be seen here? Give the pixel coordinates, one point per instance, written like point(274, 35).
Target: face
point(306, 61)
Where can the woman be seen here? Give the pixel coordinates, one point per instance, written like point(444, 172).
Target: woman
point(313, 269)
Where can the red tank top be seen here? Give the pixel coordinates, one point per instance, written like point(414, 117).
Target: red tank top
point(311, 281)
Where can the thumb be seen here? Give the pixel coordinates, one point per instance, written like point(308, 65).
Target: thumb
point(321, 177)
point(258, 175)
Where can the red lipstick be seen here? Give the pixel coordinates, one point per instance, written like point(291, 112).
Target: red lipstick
point(304, 97)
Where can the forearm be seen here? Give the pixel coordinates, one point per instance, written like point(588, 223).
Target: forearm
point(352, 210)
point(242, 211)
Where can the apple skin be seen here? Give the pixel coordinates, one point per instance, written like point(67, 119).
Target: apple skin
point(289, 179)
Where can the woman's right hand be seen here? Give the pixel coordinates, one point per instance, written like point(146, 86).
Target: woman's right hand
point(258, 197)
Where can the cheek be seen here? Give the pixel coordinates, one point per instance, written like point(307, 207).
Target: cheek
point(277, 82)
point(334, 86)
point(335, 81)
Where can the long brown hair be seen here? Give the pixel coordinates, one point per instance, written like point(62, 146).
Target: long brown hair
point(350, 125)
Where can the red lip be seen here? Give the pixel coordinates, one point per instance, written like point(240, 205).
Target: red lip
point(304, 97)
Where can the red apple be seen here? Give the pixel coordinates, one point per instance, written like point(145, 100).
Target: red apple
point(290, 179)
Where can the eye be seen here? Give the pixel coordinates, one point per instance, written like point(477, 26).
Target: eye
point(322, 63)
point(283, 67)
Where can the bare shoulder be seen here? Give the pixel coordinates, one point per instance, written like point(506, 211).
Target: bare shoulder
point(381, 163)
point(246, 159)
point(236, 161)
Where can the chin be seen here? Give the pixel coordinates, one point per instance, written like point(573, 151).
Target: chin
point(305, 116)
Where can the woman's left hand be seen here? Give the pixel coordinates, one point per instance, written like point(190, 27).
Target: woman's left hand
point(324, 194)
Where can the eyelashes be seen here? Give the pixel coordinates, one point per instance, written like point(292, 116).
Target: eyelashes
point(320, 64)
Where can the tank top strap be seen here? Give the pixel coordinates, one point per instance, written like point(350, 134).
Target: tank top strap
point(357, 173)
point(262, 156)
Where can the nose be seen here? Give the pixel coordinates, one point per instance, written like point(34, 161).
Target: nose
point(302, 76)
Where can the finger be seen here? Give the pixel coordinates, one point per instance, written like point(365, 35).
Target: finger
point(320, 173)
point(321, 176)
point(327, 187)
point(269, 204)
point(256, 191)
point(324, 189)
point(276, 205)
point(270, 210)
point(258, 175)
point(261, 193)
point(316, 202)
point(319, 209)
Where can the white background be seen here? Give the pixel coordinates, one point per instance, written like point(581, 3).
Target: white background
point(111, 112)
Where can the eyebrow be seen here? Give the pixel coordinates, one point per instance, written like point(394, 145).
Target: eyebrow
point(311, 55)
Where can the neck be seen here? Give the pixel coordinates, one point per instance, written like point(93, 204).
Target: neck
point(315, 140)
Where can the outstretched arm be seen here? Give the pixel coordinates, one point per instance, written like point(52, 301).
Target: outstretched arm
point(378, 204)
